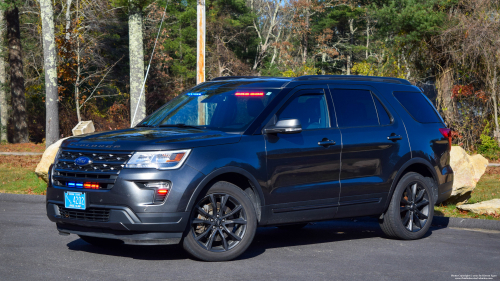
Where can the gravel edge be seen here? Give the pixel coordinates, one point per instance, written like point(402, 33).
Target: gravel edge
point(437, 221)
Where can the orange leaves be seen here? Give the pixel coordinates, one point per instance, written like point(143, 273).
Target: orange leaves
point(468, 91)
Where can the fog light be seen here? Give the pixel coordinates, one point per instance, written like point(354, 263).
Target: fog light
point(162, 189)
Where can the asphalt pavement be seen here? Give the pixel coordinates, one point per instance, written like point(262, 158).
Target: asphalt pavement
point(31, 249)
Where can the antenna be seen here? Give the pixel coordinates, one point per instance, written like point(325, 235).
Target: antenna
point(147, 71)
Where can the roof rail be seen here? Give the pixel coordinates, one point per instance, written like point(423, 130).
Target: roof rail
point(354, 78)
point(246, 77)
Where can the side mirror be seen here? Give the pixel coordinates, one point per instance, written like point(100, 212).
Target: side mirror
point(286, 126)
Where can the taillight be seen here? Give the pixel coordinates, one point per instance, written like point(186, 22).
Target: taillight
point(447, 134)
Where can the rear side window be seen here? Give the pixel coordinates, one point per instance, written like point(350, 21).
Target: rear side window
point(417, 106)
point(355, 108)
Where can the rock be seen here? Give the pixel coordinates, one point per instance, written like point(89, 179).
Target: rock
point(83, 127)
point(467, 172)
point(490, 207)
point(42, 169)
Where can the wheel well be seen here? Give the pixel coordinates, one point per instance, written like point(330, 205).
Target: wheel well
point(245, 184)
point(424, 171)
point(420, 169)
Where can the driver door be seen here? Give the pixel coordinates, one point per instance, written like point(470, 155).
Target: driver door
point(303, 168)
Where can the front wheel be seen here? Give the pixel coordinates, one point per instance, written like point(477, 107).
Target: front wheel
point(411, 210)
point(222, 225)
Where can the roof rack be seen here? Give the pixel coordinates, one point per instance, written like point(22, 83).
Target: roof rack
point(354, 78)
point(246, 77)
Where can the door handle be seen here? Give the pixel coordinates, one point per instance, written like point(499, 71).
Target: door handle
point(326, 142)
point(394, 137)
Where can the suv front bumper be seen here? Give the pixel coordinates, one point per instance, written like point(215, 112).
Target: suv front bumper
point(127, 212)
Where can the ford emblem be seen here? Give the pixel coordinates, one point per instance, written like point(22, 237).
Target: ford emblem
point(83, 161)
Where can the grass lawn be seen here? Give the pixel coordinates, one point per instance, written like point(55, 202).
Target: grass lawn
point(17, 175)
point(486, 189)
point(22, 147)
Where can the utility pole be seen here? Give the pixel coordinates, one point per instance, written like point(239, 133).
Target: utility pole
point(200, 59)
point(200, 45)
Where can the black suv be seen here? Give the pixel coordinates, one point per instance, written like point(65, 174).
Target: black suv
point(235, 153)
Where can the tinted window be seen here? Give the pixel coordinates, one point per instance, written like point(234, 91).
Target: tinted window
point(418, 106)
point(311, 110)
point(383, 116)
point(355, 108)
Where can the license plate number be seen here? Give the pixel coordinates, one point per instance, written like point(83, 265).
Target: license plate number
point(74, 200)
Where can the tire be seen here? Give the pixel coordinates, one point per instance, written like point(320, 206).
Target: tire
point(226, 233)
point(292, 226)
point(411, 210)
point(101, 242)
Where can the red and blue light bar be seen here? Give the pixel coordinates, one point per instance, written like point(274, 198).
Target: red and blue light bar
point(86, 185)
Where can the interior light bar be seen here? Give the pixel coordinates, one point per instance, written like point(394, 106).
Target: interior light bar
point(248, 94)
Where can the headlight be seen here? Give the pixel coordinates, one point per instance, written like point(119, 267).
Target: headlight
point(163, 160)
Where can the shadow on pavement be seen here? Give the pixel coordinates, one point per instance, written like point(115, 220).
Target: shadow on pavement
point(265, 238)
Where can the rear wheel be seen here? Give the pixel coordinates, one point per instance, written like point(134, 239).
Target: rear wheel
point(411, 210)
point(222, 225)
point(101, 242)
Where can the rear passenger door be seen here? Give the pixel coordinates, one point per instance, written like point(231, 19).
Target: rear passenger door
point(374, 141)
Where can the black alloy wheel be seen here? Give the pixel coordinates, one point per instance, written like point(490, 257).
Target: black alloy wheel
point(223, 224)
point(414, 207)
point(409, 215)
point(220, 222)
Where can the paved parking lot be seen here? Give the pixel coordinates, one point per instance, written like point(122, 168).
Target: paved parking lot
point(31, 249)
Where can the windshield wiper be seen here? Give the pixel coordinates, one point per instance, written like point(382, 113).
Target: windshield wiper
point(180, 125)
point(144, 125)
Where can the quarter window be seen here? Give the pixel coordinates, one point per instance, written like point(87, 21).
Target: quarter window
point(418, 106)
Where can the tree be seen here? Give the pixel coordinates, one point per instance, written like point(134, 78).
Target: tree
point(50, 68)
point(136, 55)
point(19, 120)
point(3, 93)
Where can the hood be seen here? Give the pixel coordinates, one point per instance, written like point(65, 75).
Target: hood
point(141, 139)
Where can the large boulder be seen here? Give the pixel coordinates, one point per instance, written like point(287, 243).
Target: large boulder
point(42, 169)
point(490, 207)
point(467, 171)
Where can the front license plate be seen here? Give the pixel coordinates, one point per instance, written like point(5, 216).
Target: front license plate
point(74, 200)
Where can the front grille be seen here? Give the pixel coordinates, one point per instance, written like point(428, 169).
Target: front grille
point(104, 168)
point(92, 214)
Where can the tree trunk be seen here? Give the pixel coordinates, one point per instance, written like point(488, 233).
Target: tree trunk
point(306, 35)
point(351, 42)
point(494, 85)
point(367, 36)
point(136, 49)
point(3, 94)
point(50, 67)
point(444, 84)
point(68, 19)
point(16, 78)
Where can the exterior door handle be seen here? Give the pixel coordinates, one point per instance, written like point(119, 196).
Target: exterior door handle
point(394, 137)
point(326, 142)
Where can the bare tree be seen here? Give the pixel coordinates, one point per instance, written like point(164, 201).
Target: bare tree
point(3, 93)
point(136, 49)
point(50, 67)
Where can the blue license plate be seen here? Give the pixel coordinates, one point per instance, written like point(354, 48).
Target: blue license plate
point(75, 200)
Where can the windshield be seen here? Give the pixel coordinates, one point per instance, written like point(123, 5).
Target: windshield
point(213, 106)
